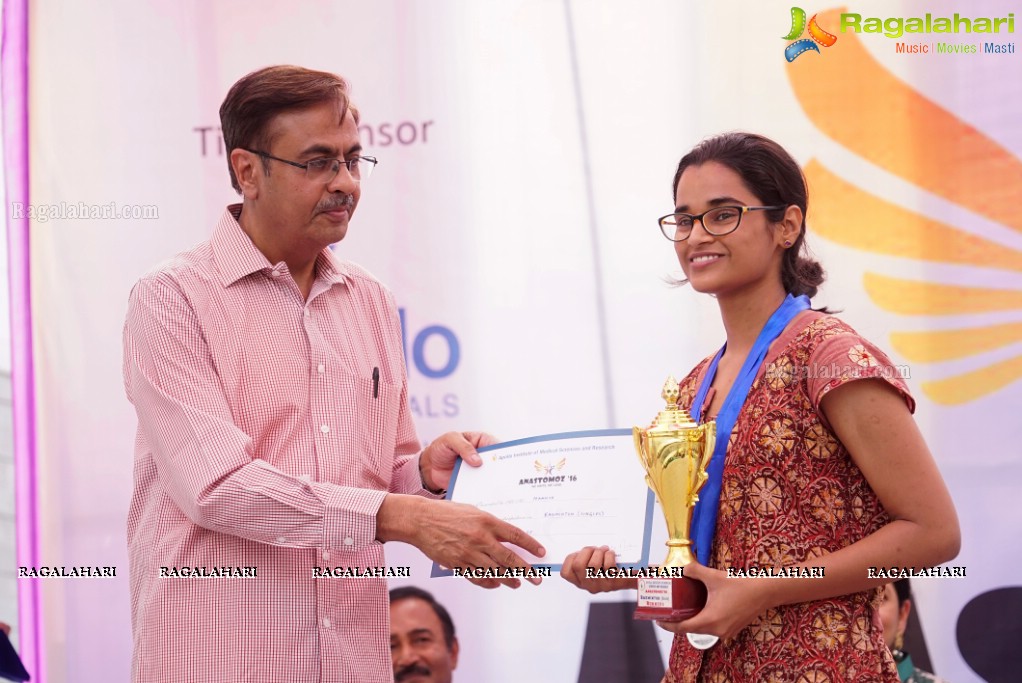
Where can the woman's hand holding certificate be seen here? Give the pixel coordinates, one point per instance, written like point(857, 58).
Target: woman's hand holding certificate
point(583, 568)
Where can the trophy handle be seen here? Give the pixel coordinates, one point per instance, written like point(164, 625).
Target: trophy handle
point(698, 475)
point(710, 437)
point(637, 435)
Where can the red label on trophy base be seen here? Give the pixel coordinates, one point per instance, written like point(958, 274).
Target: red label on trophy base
point(670, 599)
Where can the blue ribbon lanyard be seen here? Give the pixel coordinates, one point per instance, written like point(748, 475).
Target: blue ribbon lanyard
point(704, 517)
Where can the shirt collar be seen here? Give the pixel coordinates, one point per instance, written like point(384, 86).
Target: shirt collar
point(236, 256)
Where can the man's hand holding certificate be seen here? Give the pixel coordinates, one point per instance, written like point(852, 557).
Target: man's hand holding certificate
point(455, 534)
point(565, 490)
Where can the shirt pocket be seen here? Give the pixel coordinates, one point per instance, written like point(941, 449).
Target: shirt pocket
point(368, 412)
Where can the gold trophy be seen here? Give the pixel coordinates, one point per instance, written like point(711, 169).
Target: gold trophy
point(675, 452)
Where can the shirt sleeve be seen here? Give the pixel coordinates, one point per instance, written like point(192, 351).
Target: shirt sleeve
point(407, 479)
point(406, 475)
point(848, 357)
point(206, 463)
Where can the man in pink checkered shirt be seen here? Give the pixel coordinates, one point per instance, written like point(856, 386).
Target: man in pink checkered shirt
point(274, 431)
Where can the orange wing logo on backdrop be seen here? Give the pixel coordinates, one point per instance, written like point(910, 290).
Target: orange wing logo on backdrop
point(850, 97)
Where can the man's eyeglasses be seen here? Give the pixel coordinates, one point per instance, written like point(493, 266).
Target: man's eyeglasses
point(718, 221)
point(325, 169)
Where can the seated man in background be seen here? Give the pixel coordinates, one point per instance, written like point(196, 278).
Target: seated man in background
point(422, 641)
point(894, 611)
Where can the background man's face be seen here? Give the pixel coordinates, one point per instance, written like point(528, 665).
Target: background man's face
point(417, 644)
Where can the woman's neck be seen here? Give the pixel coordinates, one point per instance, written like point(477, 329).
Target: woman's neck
point(746, 312)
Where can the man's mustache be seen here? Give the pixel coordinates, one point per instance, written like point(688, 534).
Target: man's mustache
point(336, 202)
point(411, 670)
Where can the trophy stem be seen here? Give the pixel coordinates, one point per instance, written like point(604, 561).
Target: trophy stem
point(679, 553)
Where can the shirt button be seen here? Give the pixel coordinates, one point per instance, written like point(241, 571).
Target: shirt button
point(274, 273)
point(326, 555)
point(349, 541)
point(326, 622)
point(324, 428)
point(307, 313)
point(281, 540)
point(321, 368)
point(305, 477)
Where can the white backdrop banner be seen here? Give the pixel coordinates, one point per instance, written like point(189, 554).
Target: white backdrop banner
point(526, 149)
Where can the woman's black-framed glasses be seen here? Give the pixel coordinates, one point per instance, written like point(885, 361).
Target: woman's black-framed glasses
point(718, 221)
point(325, 169)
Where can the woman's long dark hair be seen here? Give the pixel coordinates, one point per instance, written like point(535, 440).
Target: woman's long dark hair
point(773, 176)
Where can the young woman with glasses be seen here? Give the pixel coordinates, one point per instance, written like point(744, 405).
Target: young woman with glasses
point(810, 465)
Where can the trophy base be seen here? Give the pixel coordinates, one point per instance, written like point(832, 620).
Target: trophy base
point(670, 599)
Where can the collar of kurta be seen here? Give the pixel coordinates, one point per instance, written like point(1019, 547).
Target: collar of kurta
point(237, 256)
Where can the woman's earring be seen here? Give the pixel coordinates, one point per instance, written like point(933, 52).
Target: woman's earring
point(787, 243)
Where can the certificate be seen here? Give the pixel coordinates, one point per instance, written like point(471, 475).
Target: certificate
point(567, 491)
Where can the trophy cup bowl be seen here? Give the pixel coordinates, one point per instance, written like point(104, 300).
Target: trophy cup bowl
point(675, 452)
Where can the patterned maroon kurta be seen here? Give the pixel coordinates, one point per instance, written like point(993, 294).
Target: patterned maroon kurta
point(791, 492)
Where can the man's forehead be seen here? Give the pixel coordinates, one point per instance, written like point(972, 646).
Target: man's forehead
point(321, 127)
point(413, 614)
